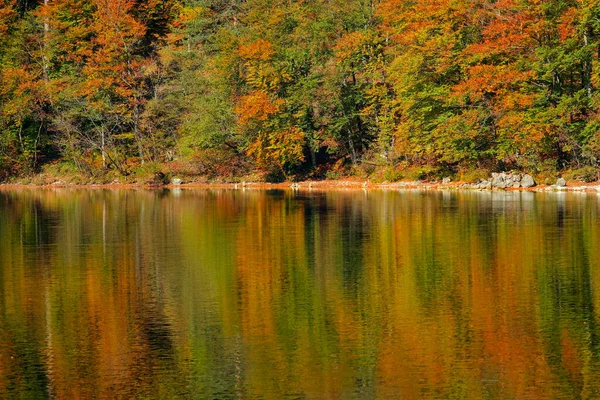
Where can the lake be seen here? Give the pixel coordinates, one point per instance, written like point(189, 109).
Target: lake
point(261, 294)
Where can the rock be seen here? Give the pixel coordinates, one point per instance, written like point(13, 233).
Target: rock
point(561, 182)
point(446, 180)
point(513, 180)
point(498, 182)
point(527, 181)
point(176, 182)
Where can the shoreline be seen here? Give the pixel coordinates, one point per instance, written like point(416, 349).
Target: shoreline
point(572, 186)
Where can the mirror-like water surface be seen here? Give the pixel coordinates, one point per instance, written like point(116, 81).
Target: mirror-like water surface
point(273, 294)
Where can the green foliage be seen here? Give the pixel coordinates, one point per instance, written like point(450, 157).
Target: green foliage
point(393, 175)
point(585, 174)
point(472, 175)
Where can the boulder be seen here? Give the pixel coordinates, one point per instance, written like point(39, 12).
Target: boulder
point(527, 181)
point(561, 182)
point(499, 182)
point(446, 180)
point(176, 181)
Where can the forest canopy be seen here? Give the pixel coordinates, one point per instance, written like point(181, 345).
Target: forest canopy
point(299, 89)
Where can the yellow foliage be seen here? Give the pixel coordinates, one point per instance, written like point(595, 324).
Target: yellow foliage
point(349, 44)
point(283, 147)
point(188, 14)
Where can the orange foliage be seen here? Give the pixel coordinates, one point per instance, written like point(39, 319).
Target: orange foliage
point(349, 44)
point(111, 64)
point(261, 50)
point(482, 79)
point(256, 106)
point(7, 14)
point(568, 24)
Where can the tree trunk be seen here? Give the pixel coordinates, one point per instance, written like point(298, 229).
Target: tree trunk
point(102, 148)
point(45, 45)
point(587, 65)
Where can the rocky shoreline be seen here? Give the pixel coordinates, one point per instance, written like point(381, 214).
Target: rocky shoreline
point(508, 181)
point(503, 180)
point(497, 182)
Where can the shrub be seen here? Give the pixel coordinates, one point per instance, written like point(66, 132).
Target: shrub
point(473, 175)
point(585, 174)
point(392, 174)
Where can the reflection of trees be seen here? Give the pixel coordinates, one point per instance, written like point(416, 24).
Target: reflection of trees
point(252, 294)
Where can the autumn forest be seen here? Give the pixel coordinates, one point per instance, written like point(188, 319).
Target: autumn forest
point(98, 90)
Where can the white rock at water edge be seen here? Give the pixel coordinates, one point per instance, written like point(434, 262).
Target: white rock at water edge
point(527, 181)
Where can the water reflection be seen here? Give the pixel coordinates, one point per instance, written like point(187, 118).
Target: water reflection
point(272, 294)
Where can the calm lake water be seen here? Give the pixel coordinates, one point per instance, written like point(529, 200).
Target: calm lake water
point(280, 294)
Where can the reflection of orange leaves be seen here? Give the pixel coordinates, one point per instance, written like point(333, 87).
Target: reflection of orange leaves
point(570, 356)
point(256, 106)
point(261, 50)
